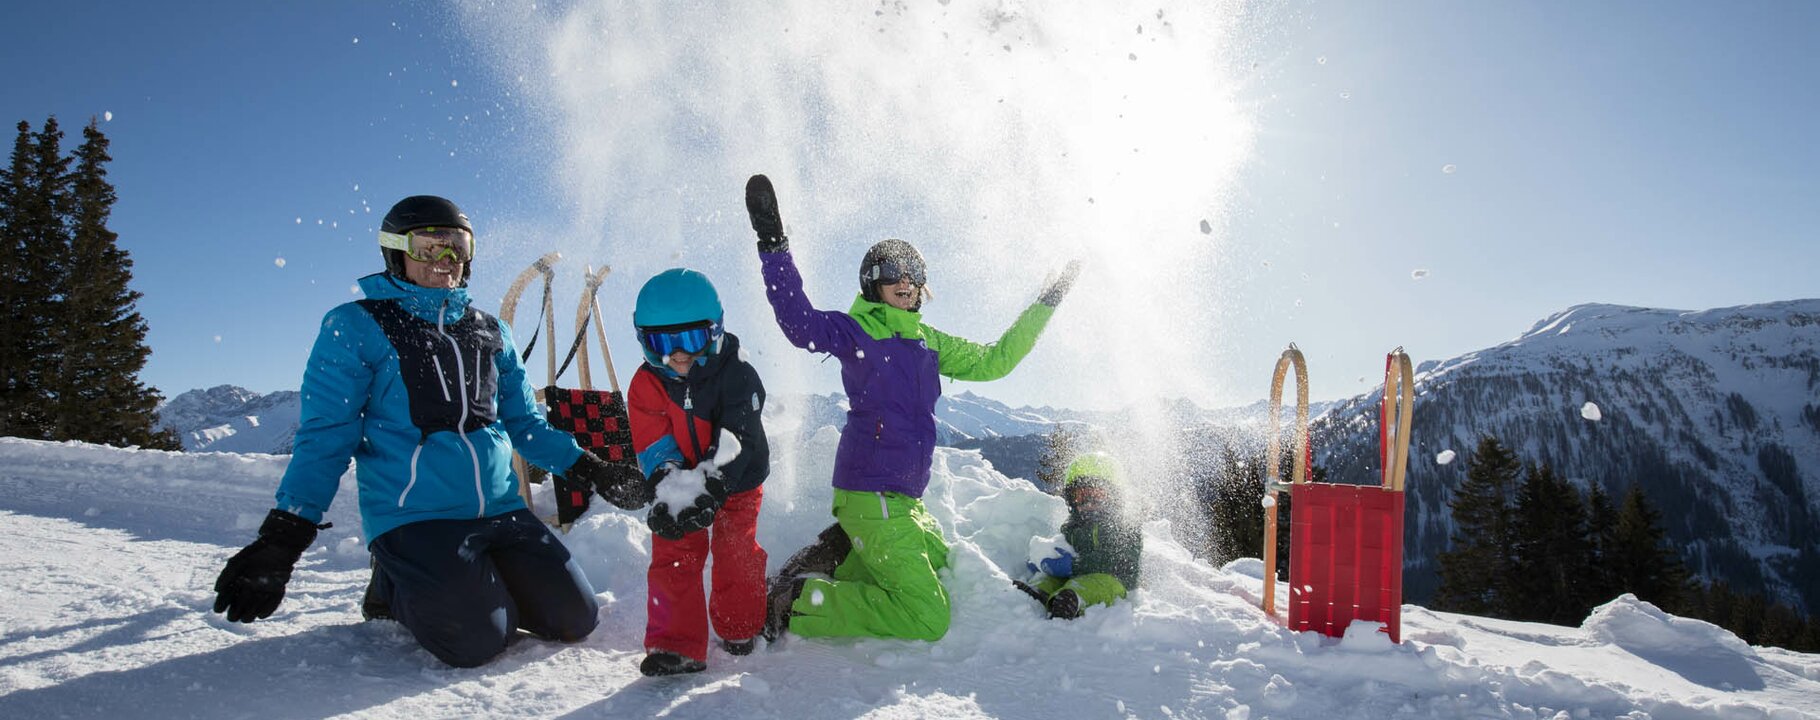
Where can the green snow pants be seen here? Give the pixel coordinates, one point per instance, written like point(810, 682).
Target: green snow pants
point(1094, 588)
point(886, 587)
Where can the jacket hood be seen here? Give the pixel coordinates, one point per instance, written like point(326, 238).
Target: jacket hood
point(883, 321)
point(423, 302)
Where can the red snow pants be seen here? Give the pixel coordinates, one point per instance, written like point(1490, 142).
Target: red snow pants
point(677, 615)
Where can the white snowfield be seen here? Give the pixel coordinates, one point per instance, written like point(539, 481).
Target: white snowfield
point(109, 556)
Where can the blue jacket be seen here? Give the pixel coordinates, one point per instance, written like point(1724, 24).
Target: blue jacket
point(427, 396)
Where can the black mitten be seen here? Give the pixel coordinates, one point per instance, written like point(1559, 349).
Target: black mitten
point(673, 523)
point(761, 205)
point(1065, 605)
point(619, 483)
point(252, 584)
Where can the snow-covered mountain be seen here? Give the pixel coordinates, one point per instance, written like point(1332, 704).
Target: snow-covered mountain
point(111, 555)
point(1715, 413)
point(226, 418)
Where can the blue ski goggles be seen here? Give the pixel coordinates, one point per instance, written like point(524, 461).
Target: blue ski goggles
point(891, 272)
point(429, 244)
point(692, 339)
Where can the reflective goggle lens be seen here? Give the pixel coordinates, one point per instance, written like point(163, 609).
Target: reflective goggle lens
point(691, 340)
point(430, 244)
point(890, 272)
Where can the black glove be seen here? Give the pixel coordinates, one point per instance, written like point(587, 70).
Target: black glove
point(1058, 288)
point(619, 483)
point(761, 204)
point(252, 584)
point(699, 514)
point(1065, 605)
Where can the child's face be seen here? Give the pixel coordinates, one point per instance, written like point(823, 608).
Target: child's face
point(901, 294)
point(681, 362)
point(1087, 498)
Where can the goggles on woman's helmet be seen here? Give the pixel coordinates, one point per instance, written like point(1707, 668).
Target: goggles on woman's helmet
point(429, 244)
point(890, 272)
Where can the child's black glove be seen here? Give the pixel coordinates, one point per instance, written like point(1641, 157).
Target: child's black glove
point(761, 205)
point(673, 523)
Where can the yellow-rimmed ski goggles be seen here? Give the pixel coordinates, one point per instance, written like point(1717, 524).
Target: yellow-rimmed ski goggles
point(430, 244)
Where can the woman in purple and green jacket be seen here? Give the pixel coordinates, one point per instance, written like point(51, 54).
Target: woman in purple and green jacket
point(885, 549)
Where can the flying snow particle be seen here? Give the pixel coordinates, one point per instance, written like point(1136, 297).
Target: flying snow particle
point(356, 187)
point(454, 83)
point(1590, 411)
point(356, 41)
point(217, 339)
point(1345, 95)
point(299, 221)
point(1448, 169)
point(279, 262)
point(1133, 56)
point(107, 116)
point(1322, 60)
point(1206, 228)
point(354, 289)
point(1418, 273)
point(1444, 457)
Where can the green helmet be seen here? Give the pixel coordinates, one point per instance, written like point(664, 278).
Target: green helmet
point(1094, 466)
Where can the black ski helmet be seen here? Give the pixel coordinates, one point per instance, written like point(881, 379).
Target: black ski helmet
point(421, 211)
point(891, 258)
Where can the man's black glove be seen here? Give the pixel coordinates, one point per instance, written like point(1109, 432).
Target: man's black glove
point(1065, 605)
point(1058, 288)
point(761, 204)
point(252, 584)
point(674, 523)
point(619, 483)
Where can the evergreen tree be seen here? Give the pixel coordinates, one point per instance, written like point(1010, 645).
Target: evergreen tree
point(1641, 560)
point(98, 396)
point(1551, 581)
point(13, 326)
point(1602, 523)
point(38, 243)
point(1476, 571)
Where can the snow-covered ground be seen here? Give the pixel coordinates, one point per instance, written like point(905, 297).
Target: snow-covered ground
point(109, 555)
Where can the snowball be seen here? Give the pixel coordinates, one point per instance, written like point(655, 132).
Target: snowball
point(1590, 411)
point(1444, 457)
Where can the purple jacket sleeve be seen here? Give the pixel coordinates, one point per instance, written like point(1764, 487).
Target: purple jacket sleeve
point(805, 327)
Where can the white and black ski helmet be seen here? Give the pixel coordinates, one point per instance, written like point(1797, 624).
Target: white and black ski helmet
point(422, 211)
point(890, 260)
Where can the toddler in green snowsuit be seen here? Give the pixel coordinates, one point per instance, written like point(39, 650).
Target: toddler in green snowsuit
point(1104, 550)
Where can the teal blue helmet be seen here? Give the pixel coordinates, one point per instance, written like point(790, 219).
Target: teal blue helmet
point(678, 309)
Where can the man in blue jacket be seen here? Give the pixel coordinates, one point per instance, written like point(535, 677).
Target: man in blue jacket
point(427, 395)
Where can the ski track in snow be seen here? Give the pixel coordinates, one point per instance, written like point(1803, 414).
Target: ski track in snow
point(111, 555)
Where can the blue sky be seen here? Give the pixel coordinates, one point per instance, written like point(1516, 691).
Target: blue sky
point(1527, 156)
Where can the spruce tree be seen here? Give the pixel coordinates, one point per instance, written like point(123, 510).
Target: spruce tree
point(1602, 523)
point(39, 243)
point(1552, 573)
point(13, 325)
point(1642, 561)
point(1476, 570)
point(98, 396)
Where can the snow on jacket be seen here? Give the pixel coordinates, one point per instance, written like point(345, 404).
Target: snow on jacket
point(678, 418)
point(890, 363)
point(420, 390)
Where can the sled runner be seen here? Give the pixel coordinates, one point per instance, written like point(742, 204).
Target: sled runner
point(508, 307)
point(1346, 541)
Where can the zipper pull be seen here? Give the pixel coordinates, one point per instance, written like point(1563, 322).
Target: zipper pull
point(688, 401)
